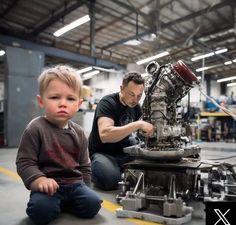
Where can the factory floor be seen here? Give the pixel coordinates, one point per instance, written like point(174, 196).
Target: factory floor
point(14, 196)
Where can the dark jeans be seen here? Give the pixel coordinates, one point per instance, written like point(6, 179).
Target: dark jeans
point(107, 170)
point(77, 199)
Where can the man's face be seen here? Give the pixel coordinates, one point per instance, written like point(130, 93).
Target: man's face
point(131, 94)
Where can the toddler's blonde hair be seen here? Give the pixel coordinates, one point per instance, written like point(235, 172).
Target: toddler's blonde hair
point(64, 73)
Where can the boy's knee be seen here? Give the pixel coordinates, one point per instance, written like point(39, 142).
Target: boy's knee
point(88, 207)
point(43, 212)
point(93, 208)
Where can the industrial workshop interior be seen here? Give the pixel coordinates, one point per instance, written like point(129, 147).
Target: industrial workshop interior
point(186, 53)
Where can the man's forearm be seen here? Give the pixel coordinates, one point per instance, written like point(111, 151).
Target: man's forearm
point(114, 134)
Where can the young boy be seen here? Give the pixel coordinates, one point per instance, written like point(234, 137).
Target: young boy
point(52, 158)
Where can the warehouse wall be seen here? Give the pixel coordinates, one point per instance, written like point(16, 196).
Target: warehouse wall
point(230, 90)
point(22, 68)
point(106, 83)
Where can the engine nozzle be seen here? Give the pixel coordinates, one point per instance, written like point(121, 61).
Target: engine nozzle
point(152, 67)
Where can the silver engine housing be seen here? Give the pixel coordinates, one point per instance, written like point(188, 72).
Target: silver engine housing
point(168, 171)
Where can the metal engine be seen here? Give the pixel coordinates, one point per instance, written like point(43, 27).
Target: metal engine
point(168, 172)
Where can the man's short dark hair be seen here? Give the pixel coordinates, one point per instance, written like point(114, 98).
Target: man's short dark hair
point(133, 76)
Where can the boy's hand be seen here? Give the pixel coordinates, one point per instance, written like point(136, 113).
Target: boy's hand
point(44, 184)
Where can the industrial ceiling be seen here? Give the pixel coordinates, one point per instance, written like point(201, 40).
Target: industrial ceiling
point(184, 28)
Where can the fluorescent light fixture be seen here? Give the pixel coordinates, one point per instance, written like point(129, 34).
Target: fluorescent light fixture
point(72, 25)
point(221, 51)
point(90, 74)
point(15, 44)
point(209, 54)
point(152, 58)
point(104, 69)
point(133, 42)
point(226, 79)
point(202, 69)
point(234, 60)
point(208, 67)
point(202, 56)
point(2, 52)
point(149, 37)
point(84, 70)
point(228, 62)
point(231, 84)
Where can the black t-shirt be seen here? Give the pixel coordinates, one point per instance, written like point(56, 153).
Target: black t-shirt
point(110, 106)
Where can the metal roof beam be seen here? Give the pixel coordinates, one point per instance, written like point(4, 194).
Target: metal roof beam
point(169, 24)
point(8, 9)
point(51, 51)
point(56, 18)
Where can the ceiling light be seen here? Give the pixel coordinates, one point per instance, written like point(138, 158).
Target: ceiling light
point(72, 25)
point(231, 84)
point(234, 60)
point(221, 51)
point(2, 52)
point(104, 69)
point(149, 37)
point(228, 62)
point(226, 79)
point(208, 67)
point(202, 69)
point(90, 74)
point(202, 56)
point(15, 44)
point(133, 42)
point(84, 70)
point(152, 58)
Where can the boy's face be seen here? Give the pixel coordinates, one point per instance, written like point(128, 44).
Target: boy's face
point(60, 102)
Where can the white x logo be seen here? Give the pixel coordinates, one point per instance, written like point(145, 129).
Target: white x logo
point(222, 217)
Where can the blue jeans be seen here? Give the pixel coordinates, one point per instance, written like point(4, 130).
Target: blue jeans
point(77, 199)
point(107, 170)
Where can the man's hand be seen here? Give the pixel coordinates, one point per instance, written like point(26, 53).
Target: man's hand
point(111, 134)
point(44, 184)
point(146, 128)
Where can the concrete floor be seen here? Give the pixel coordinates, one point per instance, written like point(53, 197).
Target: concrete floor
point(14, 196)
